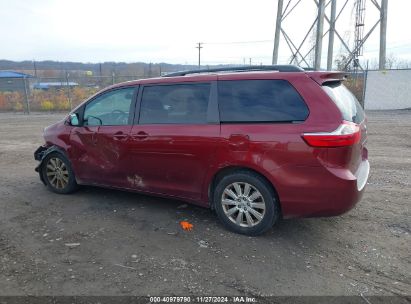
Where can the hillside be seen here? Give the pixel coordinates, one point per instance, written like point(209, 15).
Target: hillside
point(57, 69)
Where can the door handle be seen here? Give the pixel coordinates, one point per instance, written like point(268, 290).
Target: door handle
point(120, 136)
point(140, 135)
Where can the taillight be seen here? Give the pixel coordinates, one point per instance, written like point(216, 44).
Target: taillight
point(347, 134)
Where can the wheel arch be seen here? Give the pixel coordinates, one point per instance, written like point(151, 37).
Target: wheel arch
point(231, 169)
point(43, 155)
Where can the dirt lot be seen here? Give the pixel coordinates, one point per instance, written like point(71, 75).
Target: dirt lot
point(132, 244)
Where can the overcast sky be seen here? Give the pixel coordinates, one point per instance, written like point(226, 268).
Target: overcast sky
point(233, 31)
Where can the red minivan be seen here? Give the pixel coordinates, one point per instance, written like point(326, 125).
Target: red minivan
point(255, 144)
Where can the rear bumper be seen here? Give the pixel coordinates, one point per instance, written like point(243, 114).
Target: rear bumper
point(362, 174)
point(320, 191)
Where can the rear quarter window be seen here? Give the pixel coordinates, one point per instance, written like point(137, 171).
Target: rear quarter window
point(260, 101)
point(346, 102)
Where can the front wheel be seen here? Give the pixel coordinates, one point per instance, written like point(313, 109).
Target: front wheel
point(58, 174)
point(245, 203)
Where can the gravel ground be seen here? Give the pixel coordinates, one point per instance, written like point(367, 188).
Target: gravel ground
point(130, 244)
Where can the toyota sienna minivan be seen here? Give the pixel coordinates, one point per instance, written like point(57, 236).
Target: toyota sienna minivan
point(255, 144)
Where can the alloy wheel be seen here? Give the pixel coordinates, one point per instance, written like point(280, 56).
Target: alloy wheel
point(57, 173)
point(243, 204)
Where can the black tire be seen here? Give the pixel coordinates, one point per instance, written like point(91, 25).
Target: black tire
point(270, 215)
point(62, 187)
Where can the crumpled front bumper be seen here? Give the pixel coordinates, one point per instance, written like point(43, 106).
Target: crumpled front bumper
point(39, 153)
point(39, 156)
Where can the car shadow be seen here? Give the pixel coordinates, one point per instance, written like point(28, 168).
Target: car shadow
point(102, 199)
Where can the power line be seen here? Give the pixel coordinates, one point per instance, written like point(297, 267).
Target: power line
point(240, 42)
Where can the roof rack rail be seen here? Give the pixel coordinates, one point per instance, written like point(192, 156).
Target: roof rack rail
point(278, 68)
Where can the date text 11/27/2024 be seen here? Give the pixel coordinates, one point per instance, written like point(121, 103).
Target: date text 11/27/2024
point(203, 299)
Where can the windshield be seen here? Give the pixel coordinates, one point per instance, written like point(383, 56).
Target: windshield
point(348, 104)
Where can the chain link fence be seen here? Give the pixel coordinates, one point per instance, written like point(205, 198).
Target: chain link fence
point(50, 94)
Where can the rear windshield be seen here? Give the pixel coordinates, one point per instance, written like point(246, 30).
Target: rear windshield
point(348, 104)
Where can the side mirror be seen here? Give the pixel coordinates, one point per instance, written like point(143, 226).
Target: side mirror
point(73, 119)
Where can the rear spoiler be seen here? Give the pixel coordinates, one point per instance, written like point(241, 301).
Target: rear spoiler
point(323, 77)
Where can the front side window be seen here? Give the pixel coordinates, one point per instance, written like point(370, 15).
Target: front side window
point(110, 109)
point(175, 104)
point(260, 101)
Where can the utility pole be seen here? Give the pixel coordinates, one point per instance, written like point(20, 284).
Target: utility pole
point(68, 89)
point(199, 47)
point(101, 74)
point(319, 35)
point(277, 31)
point(250, 61)
point(35, 68)
point(26, 95)
point(331, 35)
point(383, 34)
point(113, 73)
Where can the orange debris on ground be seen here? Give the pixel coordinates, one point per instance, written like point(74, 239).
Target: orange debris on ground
point(186, 225)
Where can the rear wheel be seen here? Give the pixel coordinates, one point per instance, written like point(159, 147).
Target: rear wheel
point(245, 203)
point(58, 174)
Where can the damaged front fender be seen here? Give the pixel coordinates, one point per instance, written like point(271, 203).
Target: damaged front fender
point(40, 154)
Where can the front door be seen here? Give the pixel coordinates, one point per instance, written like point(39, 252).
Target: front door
point(99, 146)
